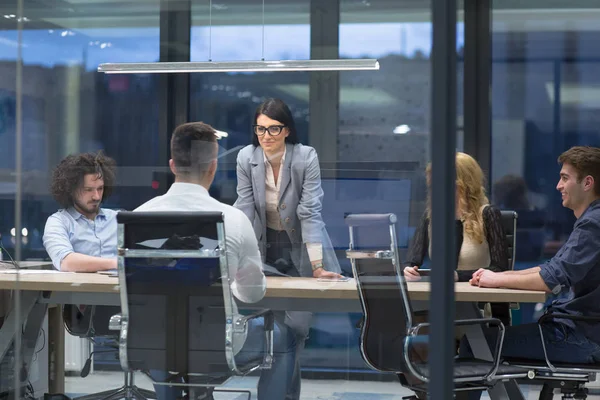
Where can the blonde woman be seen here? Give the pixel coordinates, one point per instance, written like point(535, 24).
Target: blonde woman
point(480, 239)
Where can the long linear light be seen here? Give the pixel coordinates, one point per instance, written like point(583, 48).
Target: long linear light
point(240, 66)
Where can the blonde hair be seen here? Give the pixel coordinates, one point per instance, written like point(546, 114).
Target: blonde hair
point(471, 196)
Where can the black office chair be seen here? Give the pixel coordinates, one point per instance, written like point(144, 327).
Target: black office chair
point(177, 306)
point(92, 323)
point(387, 334)
point(509, 225)
point(569, 378)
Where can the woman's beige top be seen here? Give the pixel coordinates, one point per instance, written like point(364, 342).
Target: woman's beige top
point(473, 255)
point(272, 195)
point(272, 188)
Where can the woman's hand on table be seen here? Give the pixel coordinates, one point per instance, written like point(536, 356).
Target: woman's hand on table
point(411, 274)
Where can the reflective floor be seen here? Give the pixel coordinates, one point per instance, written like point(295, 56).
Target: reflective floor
point(311, 389)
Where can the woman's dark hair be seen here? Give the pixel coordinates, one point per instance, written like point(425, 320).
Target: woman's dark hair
point(68, 176)
point(276, 109)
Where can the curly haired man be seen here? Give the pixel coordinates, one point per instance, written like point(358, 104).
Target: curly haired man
point(82, 236)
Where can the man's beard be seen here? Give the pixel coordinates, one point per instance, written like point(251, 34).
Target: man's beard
point(89, 208)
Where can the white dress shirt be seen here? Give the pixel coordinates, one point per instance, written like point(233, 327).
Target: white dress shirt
point(272, 190)
point(242, 247)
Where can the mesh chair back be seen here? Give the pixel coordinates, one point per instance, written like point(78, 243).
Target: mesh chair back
point(176, 314)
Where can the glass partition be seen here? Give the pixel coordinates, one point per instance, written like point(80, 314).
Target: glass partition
point(544, 101)
point(68, 108)
point(370, 130)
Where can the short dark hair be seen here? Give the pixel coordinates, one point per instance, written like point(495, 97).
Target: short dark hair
point(193, 148)
point(69, 174)
point(279, 111)
point(586, 161)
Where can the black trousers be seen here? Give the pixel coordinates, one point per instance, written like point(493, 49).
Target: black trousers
point(279, 252)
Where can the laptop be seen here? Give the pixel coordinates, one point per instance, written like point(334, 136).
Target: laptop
point(44, 265)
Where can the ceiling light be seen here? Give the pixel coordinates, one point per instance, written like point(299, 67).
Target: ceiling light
point(402, 129)
point(240, 66)
point(220, 134)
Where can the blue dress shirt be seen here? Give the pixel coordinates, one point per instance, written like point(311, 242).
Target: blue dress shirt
point(67, 231)
point(576, 268)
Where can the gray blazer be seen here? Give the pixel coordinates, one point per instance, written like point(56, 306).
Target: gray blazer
point(300, 202)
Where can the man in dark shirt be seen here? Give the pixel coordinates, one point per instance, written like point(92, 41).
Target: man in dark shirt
point(576, 268)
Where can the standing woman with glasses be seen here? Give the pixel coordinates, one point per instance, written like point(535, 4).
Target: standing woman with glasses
point(279, 189)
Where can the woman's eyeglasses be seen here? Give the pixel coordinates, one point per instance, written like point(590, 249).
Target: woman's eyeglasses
point(274, 130)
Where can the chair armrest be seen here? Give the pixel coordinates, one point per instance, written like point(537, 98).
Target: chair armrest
point(241, 322)
point(414, 331)
point(459, 322)
point(552, 316)
point(356, 220)
point(115, 322)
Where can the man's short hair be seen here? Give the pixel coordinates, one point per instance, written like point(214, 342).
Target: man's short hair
point(193, 148)
point(586, 161)
point(69, 174)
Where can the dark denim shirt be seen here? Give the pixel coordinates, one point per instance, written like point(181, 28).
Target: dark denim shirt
point(576, 268)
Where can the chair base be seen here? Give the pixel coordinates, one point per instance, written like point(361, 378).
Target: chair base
point(128, 391)
point(416, 396)
point(569, 390)
point(572, 386)
point(194, 393)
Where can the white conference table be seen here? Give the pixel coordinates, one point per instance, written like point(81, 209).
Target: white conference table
point(41, 288)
